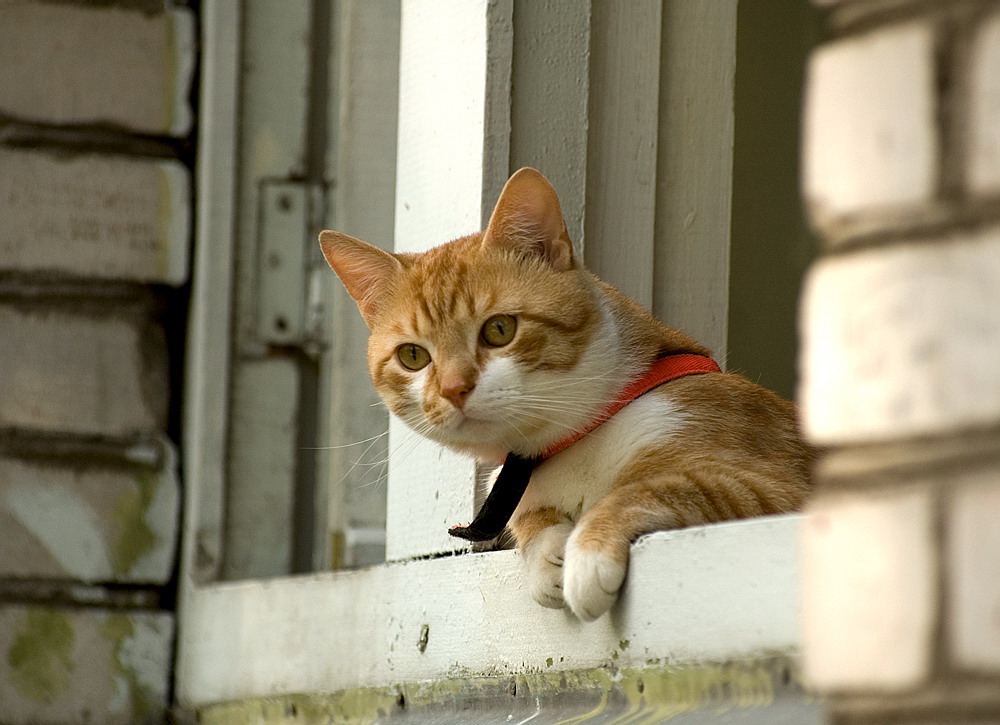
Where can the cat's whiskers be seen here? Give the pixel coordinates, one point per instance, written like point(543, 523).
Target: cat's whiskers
point(346, 445)
point(360, 458)
point(514, 427)
point(399, 452)
point(401, 449)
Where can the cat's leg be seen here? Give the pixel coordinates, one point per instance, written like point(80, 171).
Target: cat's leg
point(541, 539)
point(597, 551)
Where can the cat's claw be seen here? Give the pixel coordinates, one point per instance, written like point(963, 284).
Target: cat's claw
point(544, 558)
point(591, 580)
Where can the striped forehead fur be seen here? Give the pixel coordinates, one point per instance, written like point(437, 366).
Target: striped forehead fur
point(464, 279)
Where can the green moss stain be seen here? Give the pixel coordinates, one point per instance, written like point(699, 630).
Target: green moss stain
point(652, 694)
point(40, 657)
point(363, 706)
point(670, 691)
point(118, 628)
point(135, 538)
point(432, 692)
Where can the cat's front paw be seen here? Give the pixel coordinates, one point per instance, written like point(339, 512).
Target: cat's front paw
point(543, 556)
point(591, 580)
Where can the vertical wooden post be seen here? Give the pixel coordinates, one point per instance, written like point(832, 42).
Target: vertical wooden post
point(452, 161)
point(361, 159)
point(550, 85)
point(621, 154)
point(694, 177)
point(262, 465)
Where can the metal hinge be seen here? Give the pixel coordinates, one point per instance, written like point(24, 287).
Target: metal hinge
point(289, 294)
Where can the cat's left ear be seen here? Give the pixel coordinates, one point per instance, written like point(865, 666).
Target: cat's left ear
point(527, 217)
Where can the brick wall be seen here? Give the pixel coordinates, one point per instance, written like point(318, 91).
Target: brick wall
point(95, 147)
point(901, 363)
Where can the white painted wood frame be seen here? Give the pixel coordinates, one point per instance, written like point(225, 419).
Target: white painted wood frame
point(452, 161)
point(702, 595)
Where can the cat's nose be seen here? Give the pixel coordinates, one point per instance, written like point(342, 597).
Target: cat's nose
point(457, 391)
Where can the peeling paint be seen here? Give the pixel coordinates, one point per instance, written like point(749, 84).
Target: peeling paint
point(118, 629)
point(40, 657)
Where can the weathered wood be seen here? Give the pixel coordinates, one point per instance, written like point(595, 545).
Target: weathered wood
point(273, 113)
point(361, 161)
point(206, 387)
point(259, 504)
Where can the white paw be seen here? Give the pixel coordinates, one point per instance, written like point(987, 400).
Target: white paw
point(591, 581)
point(544, 558)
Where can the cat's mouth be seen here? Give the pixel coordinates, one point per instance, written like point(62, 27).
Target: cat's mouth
point(471, 429)
point(471, 426)
point(463, 419)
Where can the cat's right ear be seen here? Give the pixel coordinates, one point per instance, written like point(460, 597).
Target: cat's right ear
point(366, 271)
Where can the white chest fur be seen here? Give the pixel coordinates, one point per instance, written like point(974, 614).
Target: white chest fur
point(578, 477)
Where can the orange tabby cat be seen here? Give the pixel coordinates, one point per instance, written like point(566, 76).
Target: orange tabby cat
point(500, 342)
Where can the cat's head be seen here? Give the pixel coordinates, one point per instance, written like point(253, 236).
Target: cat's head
point(488, 343)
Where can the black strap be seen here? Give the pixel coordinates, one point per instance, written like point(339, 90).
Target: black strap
point(501, 502)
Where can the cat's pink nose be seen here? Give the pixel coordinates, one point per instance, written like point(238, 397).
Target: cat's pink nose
point(457, 392)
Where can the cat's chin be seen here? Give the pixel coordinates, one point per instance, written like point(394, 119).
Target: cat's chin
point(473, 437)
point(486, 440)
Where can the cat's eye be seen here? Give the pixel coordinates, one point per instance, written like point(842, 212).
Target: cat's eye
point(412, 357)
point(498, 330)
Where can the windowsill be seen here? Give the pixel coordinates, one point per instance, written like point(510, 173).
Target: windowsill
point(706, 594)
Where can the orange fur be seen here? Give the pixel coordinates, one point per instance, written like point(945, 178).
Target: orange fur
point(729, 448)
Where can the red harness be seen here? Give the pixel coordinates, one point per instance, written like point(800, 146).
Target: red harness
point(662, 371)
point(513, 479)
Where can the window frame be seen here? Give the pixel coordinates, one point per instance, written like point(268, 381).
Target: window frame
point(328, 632)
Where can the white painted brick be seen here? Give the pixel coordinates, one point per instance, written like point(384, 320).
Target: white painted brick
point(984, 121)
point(83, 665)
point(94, 216)
point(869, 133)
point(87, 374)
point(973, 573)
point(868, 597)
point(72, 64)
point(902, 341)
point(91, 524)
